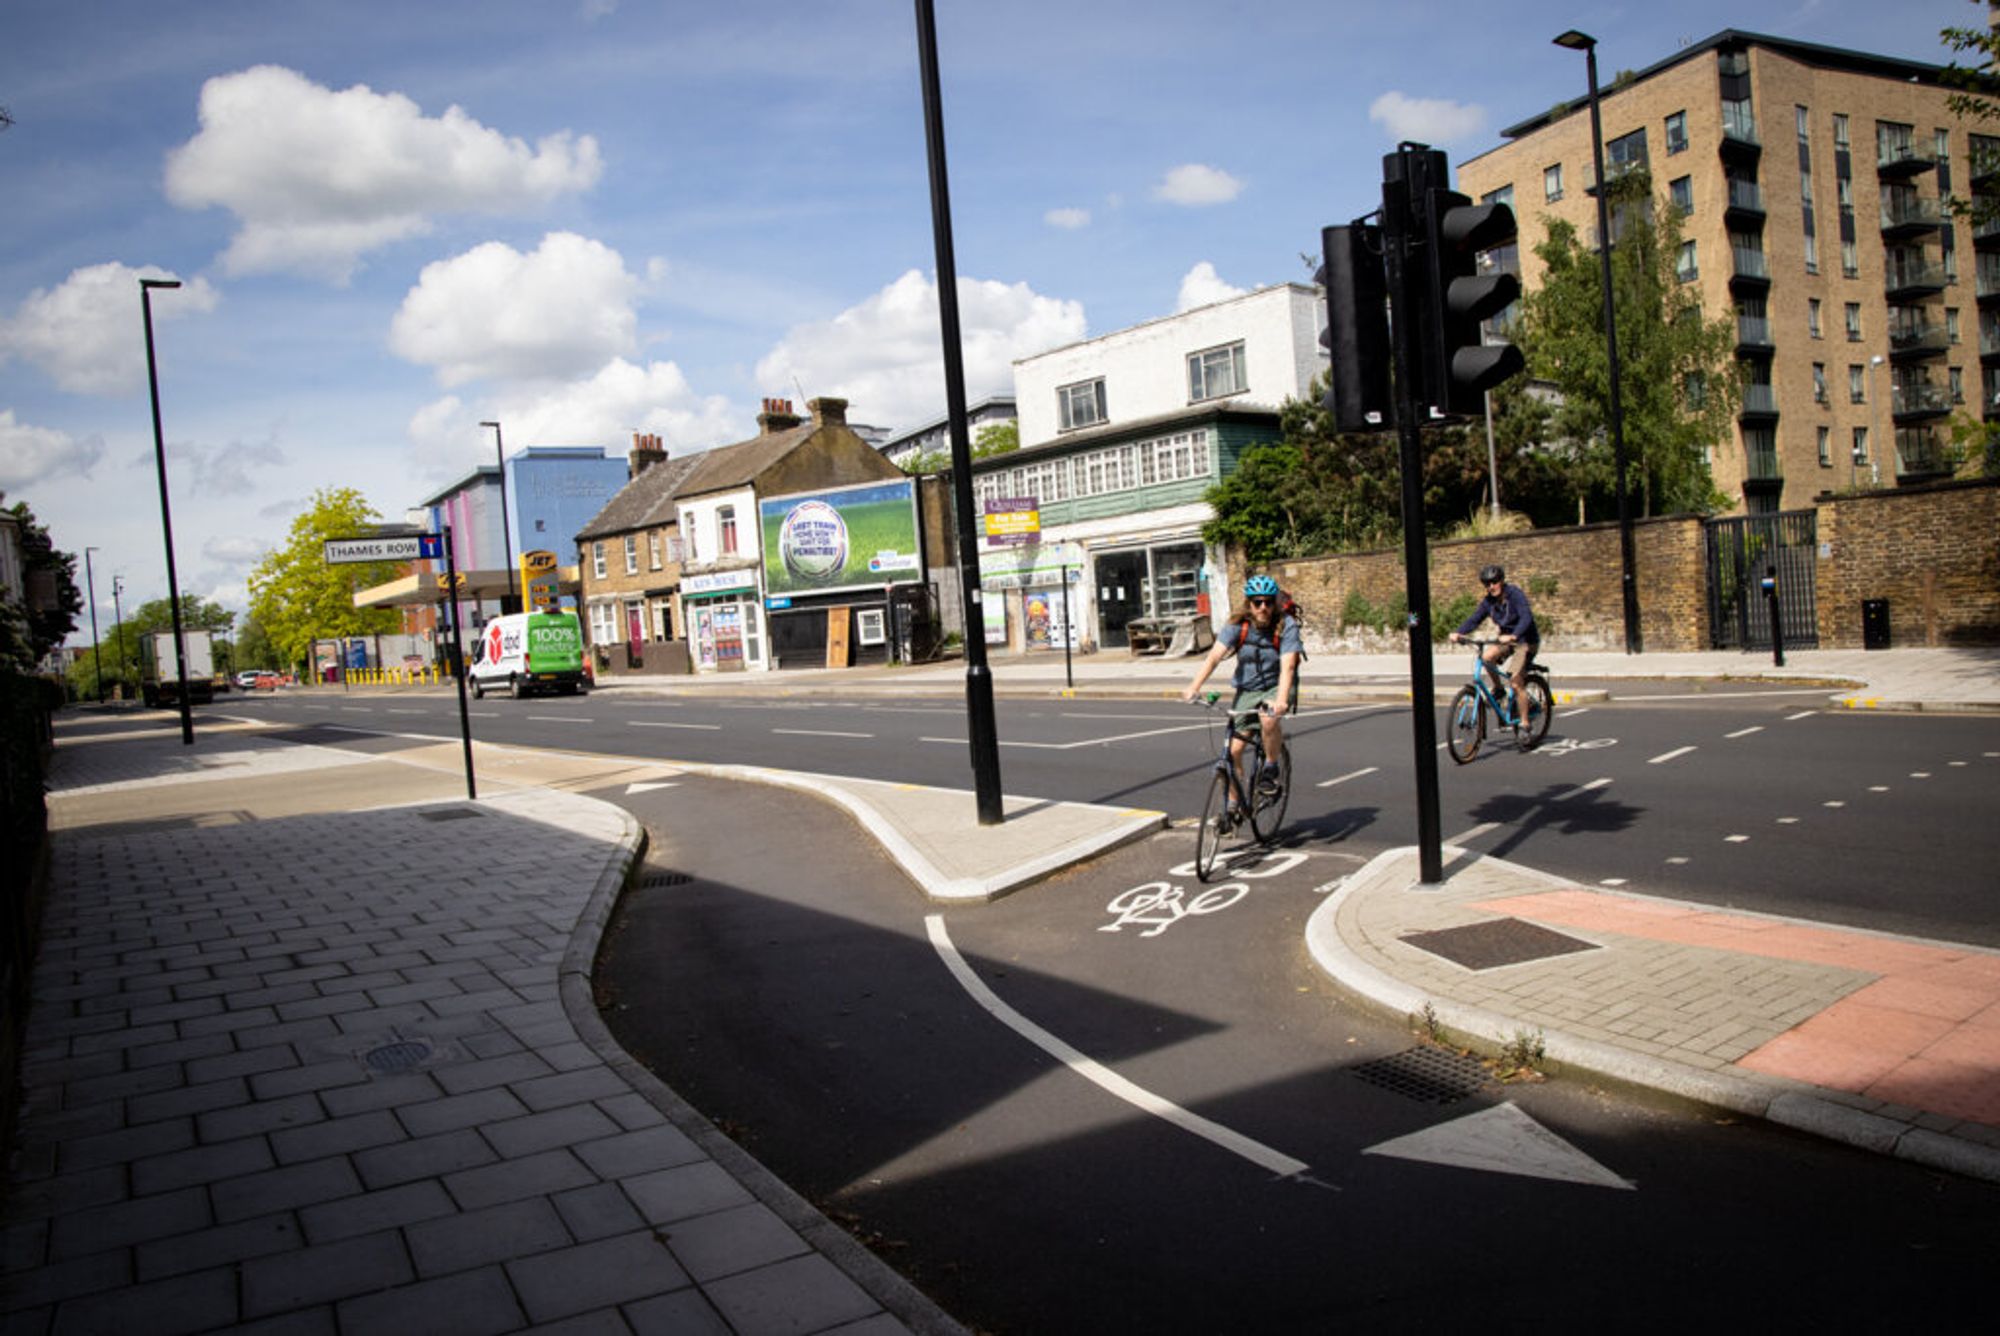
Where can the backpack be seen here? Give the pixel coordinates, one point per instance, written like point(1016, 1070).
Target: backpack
point(1287, 607)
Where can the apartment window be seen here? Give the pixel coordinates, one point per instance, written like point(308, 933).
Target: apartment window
point(1826, 447)
point(1857, 384)
point(631, 554)
point(1216, 372)
point(1685, 267)
point(1803, 122)
point(1850, 263)
point(725, 520)
point(1951, 323)
point(653, 547)
point(1812, 317)
point(1625, 153)
point(1082, 404)
point(1840, 131)
point(1552, 182)
point(1894, 142)
point(1854, 322)
point(604, 623)
point(1681, 190)
point(1955, 377)
point(1812, 253)
point(597, 560)
point(1861, 445)
point(1819, 382)
point(1677, 132)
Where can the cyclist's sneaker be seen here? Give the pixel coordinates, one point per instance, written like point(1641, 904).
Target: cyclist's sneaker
point(1268, 780)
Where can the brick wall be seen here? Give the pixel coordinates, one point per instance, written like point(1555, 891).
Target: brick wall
point(1933, 552)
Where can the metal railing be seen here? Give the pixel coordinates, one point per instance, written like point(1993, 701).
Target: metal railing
point(1739, 122)
point(1753, 329)
point(1745, 195)
point(1750, 263)
point(1758, 398)
point(1911, 212)
point(1920, 397)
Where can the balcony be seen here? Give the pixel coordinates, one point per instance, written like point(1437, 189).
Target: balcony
point(1753, 269)
point(1989, 345)
point(1919, 401)
point(1914, 340)
point(1986, 231)
point(1907, 276)
point(1986, 278)
point(1909, 215)
point(1745, 205)
point(1759, 401)
point(1920, 456)
point(1901, 160)
point(1753, 334)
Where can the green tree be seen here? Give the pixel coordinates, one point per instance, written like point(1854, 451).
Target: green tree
point(995, 438)
point(1678, 382)
point(253, 648)
point(27, 636)
point(1977, 99)
point(296, 597)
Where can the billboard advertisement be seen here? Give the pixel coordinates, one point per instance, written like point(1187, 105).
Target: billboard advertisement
point(859, 537)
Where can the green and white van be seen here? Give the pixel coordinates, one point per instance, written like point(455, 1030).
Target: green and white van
point(525, 652)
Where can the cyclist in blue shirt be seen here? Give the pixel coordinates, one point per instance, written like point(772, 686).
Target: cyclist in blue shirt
point(1514, 620)
point(1268, 646)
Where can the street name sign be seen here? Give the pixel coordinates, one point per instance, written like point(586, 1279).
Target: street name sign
point(404, 547)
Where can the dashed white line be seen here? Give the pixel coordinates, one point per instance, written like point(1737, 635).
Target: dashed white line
point(1802, 714)
point(1878, 788)
point(1097, 1073)
point(1612, 881)
point(1833, 802)
point(1466, 837)
point(1745, 732)
point(1677, 860)
point(1788, 821)
point(1737, 839)
point(1352, 774)
point(1567, 794)
point(820, 733)
point(394, 710)
point(656, 723)
point(1664, 757)
point(1920, 774)
point(559, 718)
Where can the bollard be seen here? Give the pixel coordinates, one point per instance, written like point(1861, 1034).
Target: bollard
point(1770, 583)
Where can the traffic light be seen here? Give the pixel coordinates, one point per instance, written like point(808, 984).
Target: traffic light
point(1458, 365)
point(1357, 328)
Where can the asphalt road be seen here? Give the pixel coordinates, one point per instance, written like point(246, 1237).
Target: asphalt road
point(1103, 1104)
point(1754, 800)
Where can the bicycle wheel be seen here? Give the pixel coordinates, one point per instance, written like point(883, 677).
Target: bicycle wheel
point(1538, 706)
point(1208, 839)
point(1267, 814)
point(1465, 729)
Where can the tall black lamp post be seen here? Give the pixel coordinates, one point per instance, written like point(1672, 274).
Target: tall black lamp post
point(1577, 41)
point(96, 660)
point(146, 286)
point(118, 628)
point(506, 535)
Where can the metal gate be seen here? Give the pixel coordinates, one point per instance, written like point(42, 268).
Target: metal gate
point(1740, 551)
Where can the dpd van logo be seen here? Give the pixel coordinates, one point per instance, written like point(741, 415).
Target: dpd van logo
point(813, 541)
point(493, 643)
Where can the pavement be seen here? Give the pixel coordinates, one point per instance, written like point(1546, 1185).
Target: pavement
point(312, 1043)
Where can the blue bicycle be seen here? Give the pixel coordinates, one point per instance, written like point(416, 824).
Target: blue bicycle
point(1465, 730)
point(1228, 806)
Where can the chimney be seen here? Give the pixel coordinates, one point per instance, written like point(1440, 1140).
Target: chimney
point(828, 412)
point(646, 452)
point(777, 416)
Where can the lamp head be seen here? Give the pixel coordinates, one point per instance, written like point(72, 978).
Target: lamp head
point(1576, 41)
point(494, 425)
point(159, 282)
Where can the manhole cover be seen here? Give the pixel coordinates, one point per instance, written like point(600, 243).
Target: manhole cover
point(1497, 942)
point(450, 813)
point(656, 880)
point(404, 1056)
point(1426, 1075)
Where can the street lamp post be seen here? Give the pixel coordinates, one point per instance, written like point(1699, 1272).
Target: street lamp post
point(118, 625)
point(506, 536)
point(1577, 41)
point(96, 659)
point(1874, 425)
point(146, 286)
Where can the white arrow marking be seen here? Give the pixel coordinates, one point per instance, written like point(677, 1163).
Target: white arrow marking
point(647, 786)
point(1502, 1140)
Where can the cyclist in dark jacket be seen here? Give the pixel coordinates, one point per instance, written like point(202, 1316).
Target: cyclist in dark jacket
point(1514, 620)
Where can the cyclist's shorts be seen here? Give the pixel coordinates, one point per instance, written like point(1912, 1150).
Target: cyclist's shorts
point(1243, 720)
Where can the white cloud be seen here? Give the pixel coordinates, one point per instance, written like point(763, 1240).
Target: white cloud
point(29, 454)
point(235, 550)
point(1068, 219)
point(221, 470)
point(602, 409)
point(1426, 120)
point(317, 178)
point(885, 355)
point(88, 334)
point(1195, 184)
point(556, 313)
point(1202, 285)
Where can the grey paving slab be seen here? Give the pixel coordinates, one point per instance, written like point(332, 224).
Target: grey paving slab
point(593, 1275)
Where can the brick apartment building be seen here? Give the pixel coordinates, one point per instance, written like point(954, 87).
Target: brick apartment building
point(1814, 182)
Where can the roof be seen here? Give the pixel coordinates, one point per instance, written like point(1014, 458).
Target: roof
point(643, 502)
point(738, 465)
point(1115, 432)
point(479, 474)
point(1808, 53)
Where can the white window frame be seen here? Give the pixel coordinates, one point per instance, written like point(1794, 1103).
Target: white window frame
point(1074, 401)
point(653, 546)
point(631, 554)
point(604, 627)
point(1215, 373)
point(868, 627)
point(597, 559)
point(725, 529)
point(1552, 182)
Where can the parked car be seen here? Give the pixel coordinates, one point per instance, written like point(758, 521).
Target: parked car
point(246, 679)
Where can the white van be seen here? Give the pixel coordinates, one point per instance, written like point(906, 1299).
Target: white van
point(524, 652)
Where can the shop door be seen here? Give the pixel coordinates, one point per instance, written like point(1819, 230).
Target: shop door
point(1121, 594)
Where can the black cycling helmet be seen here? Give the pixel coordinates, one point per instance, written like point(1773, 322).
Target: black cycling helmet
point(1491, 574)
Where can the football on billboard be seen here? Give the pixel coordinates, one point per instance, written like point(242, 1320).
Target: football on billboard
point(813, 541)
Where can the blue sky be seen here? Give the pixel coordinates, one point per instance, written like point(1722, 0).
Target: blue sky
point(589, 217)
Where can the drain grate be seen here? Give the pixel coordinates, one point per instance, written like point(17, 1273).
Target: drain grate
point(450, 813)
point(654, 881)
point(404, 1056)
point(1426, 1075)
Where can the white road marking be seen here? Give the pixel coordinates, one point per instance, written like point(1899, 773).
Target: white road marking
point(1465, 837)
point(647, 786)
point(1788, 821)
point(1567, 794)
point(1612, 881)
point(1954, 763)
point(656, 723)
point(1731, 695)
point(1802, 714)
point(820, 733)
point(1571, 714)
point(1677, 860)
point(560, 718)
point(395, 710)
point(1745, 732)
point(1920, 774)
point(358, 709)
point(1833, 802)
point(1352, 774)
point(1737, 839)
point(1502, 1140)
point(1668, 756)
point(1095, 1072)
point(1878, 788)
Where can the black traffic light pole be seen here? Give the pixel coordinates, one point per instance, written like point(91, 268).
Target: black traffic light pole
point(458, 659)
point(1404, 179)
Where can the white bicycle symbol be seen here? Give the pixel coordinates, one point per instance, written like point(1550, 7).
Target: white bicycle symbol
point(1160, 905)
point(1564, 746)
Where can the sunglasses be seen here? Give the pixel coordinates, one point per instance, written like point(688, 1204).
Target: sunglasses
point(1262, 602)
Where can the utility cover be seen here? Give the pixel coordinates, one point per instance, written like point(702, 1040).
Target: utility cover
point(1497, 942)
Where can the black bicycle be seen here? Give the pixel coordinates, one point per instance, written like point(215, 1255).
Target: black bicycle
point(1228, 808)
point(1465, 728)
